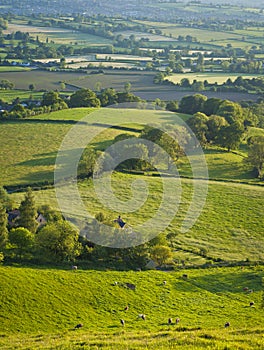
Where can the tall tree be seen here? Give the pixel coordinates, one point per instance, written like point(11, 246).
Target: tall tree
point(28, 212)
point(256, 154)
point(198, 124)
point(5, 199)
point(230, 136)
point(3, 227)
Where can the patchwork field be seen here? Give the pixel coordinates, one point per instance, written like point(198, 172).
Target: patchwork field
point(58, 35)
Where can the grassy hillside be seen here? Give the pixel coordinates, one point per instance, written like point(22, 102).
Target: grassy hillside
point(49, 303)
point(25, 163)
point(230, 226)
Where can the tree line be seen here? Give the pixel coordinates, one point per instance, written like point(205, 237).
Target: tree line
point(58, 241)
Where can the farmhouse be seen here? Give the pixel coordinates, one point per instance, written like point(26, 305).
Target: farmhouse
point(14, 215)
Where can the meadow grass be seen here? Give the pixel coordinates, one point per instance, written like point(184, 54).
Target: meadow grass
point(24, 162)
point(229, 228)
point(43, 311)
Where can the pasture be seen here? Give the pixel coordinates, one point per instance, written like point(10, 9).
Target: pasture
point(58, 35)
point(212, 78)
point(23, 162)
point(228, 227)
point(42, 313)
point(142, 83)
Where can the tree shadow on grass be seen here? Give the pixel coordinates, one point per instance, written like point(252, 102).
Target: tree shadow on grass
point(222, 282)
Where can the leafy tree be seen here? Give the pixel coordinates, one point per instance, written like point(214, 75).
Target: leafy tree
point(127, 87)
point(211, 105)
point(231, 111)
point(50, 98)
point(198, 124)
point(28, 212)
point(185, 82)
point(58, 241)
point(62, 85)
point(214, 125)
point(230, 136)
point(192, 103)
point(256, 154)
point(5, 199)
point(161, 254)
point(108, 97)
point(172, 106)
point(32, 87)
point(49, 213)
point(87, 163)
point(6, 84)
point(3, 227)
point(22, 240)
point(84, 98)
point(127, 97)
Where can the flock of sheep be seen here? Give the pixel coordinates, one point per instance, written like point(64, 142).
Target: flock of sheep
point(143, 316)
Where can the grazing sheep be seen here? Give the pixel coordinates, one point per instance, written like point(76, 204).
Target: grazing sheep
point(250, 291)
point(79, 325)
point(143, 317)
point(74, 267)
point(126, 308)
point(115, 283)
point(122, 322)
point(130, 286)
point(177, 320)
point(164, 283)
point(227, 324)
point(245, 289)
point(251, 303)
point(170, 321)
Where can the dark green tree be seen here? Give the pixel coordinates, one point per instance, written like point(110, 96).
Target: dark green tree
point(28, 212)
point(231, 111)
point(50, 98)
point(5, 199)
point(214, 125)
point(84, 98)
point(230, 136)
point(3, 227)
point(211, 105)
point(192, 103)
point(108, 97)
point(32, 87)
point(256, 154)
point(198, 124)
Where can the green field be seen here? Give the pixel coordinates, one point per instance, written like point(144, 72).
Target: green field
point(13, 69)
point(23, 162)
point(212, 78)
point(228, 227)
point(58, 35)
point(43, 311)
